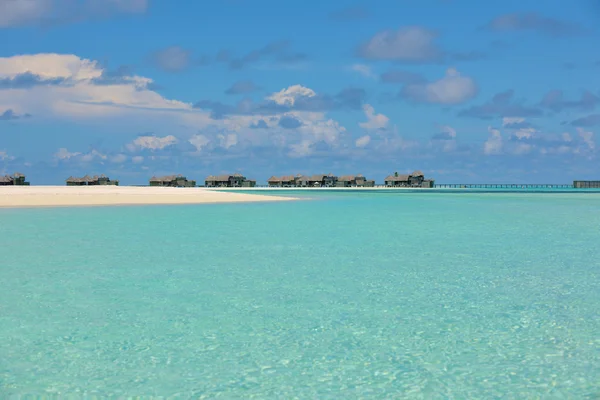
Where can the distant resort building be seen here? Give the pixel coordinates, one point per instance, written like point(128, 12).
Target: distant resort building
point(586, 184)
point(416, 179)
point(95, 180)
point(16, 179)
point(235, 180)
point(320, 180)
point(354, 181)
point(282, 181)
point(171, 181)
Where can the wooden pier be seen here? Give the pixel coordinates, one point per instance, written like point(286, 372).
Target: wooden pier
point(503, 186)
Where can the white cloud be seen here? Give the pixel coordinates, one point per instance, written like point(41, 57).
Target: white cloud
point(4, 156)
point(228, 140)
point(82, 96)
point(80, 90)
point(494, 143)
point(152, 142)
point(137, 159)
point(199, 141)
point(587, 137)
point(450, 131)
point(289, 95)
point(364, 70)
point(302, 149)
point(28, 12)
point(362, 141)
point(507, 121)
point(92, 156)
point(451, 89)
point(375, 121)
point(64, 154)
point(522, 148)
point(413, 44)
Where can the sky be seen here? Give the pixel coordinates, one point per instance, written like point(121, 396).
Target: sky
point(467, 92)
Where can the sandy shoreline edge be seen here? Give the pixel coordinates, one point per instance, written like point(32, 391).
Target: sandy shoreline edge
point(73, 196)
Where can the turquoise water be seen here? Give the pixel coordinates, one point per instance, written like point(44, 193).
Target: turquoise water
point(386, 295)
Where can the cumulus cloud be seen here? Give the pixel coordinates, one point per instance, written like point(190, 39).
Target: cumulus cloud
point(587, 137)
point(33, 12)
point(515, 123)
point(364, 70)
point(453, 88)
point(85, 92)
point(152, 143)
point(374, 121)
point(494, 143)
point(523, 141)
point(71, 88)
point(362, 141)
point(291, 94)
point(4, 156)
point(294, 98)
point(199, 142)
point(64, 154)
point(410, 44)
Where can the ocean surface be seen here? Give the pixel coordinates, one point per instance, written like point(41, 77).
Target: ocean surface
point(349, 295)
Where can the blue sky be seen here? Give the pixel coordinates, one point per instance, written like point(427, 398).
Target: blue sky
point(502, 92)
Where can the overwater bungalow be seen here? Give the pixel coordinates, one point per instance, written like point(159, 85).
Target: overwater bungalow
point(235, 180)
point(96, 180)
point(171, 181)
point(416, 179)
point(586, 184)
point(284, 181)
point(16, 179)
point(323, 180)
point(354, 181)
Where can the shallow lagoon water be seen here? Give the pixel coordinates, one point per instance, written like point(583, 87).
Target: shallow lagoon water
point(368, 295)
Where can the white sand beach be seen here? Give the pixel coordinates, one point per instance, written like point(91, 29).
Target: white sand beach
point(63, 196)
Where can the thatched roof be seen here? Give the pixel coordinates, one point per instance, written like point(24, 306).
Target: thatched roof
point(274, 179)
point(5, 179)
point(73, 179)
point(218, 178)
point(225, 177)
point(417, 173)
point(349, 178)
point(167, 178)
point(18, 175)
point(399, 178)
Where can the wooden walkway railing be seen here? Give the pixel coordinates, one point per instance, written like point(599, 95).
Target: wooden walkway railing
point(504, 186)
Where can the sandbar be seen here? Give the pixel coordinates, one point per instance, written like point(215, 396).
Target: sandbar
point(72, 196)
